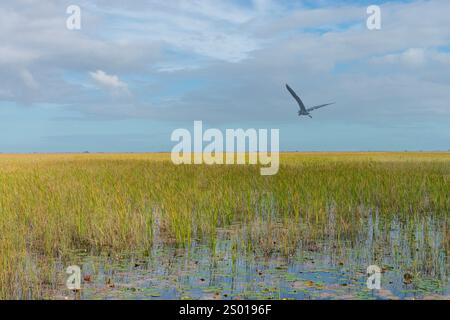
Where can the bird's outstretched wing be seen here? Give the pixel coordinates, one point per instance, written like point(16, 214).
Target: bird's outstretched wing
point(319, 106)
point(296, 97)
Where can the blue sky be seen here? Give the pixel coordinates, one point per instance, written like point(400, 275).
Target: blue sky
point(138, 70)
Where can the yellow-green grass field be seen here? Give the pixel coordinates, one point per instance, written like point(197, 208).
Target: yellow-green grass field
point(52, 204)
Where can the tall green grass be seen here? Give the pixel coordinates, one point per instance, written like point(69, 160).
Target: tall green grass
point(53, 204)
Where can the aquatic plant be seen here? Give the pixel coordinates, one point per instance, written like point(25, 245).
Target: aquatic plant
point(51, 205)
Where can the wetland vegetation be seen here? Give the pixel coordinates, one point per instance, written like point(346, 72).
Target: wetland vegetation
point(142, 227)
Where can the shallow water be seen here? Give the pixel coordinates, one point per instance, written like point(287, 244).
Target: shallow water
point(413, 260)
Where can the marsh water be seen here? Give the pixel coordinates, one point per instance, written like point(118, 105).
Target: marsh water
point(413, 260)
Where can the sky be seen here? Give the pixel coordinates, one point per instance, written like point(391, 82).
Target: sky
point(137, 70)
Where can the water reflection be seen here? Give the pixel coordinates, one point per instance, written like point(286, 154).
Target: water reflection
point(331, 267)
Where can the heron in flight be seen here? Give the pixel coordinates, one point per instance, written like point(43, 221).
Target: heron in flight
point(303, 110)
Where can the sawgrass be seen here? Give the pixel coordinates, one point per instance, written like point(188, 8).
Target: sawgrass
point(52, 204)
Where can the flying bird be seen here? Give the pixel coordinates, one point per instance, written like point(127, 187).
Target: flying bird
point(303, 110)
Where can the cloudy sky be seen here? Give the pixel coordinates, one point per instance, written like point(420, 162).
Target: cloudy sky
point(139, 69)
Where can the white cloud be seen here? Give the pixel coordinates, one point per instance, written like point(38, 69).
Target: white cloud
point(107, 81)
point(239, 53)
point(414, 57)
point(214, 29)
